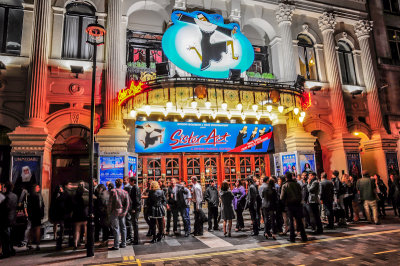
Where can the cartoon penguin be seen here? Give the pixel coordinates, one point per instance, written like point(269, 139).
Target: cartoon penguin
point(210, 51)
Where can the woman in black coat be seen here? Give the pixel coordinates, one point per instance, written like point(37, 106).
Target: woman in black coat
point(269, 207)
point(59, 212)
point(227, 213)
point(35, 215)
point(101, 213)
point(80, 212)
point(155, 208)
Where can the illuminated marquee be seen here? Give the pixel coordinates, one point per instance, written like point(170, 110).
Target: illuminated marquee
point(135, 88)
point(203, 45)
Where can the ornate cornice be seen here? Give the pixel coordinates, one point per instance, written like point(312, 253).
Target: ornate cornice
point(327, 21)
point(284, 13)
point(362, 28)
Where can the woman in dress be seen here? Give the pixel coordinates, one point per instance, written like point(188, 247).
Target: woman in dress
point(156, 203)
point(227, 213)
point(238, 203)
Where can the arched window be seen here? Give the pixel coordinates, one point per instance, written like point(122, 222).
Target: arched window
point(11, 20)
point(307, 61)
point(79, 15)
point(346, 63)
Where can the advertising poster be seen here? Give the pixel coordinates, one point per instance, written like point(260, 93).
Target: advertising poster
point(25, 171)
point(307, 162)
point(132, 166)
point(153, 136)
point(289, 163)
point(354, 164)
point(392, 163)
point(111, 168)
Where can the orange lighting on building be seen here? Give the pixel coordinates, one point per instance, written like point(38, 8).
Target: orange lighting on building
point(305, 100)
point(136, 87)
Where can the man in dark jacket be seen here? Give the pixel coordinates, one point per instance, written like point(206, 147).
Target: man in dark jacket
point(291, 197)
point(8, 206)
point(338, 189)
point(128, 218)
point(313, 203)
point(212, 198)
point(304, 195)
point(326, 195)
point(177, 203)
point(136, 203)
point(251, 203)
point(367, 189)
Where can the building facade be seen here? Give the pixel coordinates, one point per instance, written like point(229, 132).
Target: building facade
point(45, 90)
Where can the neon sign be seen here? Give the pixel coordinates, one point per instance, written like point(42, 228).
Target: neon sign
point(135, 88)
point(203, 45)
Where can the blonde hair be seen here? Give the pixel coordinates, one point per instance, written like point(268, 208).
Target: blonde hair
point(345, 178)
point(154, 185)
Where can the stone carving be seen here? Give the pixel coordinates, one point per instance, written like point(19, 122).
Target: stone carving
point(344, 35)
point(327, 21)
point(363, 28)
point(76, 89)
point(74, 118)
point(284, 13)
point(235, 15)
point(305, 27)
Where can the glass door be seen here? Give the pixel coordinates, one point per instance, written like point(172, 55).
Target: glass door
point(230, 170)
point(210, 169)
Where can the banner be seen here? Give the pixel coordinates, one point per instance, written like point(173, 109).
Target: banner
point(289, 163)
point(153, 136)
point(354, 164)
point(111, 168)
point(132, 165)
point(392, 163)
point(307, 163)
point(25, 171)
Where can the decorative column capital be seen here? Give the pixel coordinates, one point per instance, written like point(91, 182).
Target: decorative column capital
point(363, 28)
point(180, 5)
point(284, 13)
point(327, 22)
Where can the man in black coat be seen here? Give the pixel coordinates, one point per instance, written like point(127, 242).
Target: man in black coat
point(212, 198)
point(291, 197)
point(313, 203)
point(251, 203)
point(326, 195)
point(136, 203)
point(8, 206)
point(177, 203)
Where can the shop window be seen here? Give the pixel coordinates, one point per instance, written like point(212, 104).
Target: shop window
point(346, 62)
point(260, 64)
point(11, 22)
point(307, 60)
point(391, 6)
point(394, 43)
point(78, 16)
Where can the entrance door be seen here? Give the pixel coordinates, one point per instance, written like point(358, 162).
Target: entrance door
point(193, 167)
point(210, 169)
point(154, 169)
point(245, 167)
point(230, 170)
point(172, 168)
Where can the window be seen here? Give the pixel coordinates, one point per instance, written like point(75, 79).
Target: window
point(11, 19)
point(394, 43)
point(391, 6)
point(79, 15)
point(307, 61)
point(346, 61)
point(260, 63)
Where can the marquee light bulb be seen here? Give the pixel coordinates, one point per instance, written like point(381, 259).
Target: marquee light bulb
point(303, 114)
point(243, 115)
point(214, 115)
point(269, 108)
point(194, 104)
point(280, 108)
point(182, 113)
point(207, 104)
point(258, 116)
point(169, 105)
point(296, 110)
point(239, 106)
point(165, 112)
point(229, 115)
point(255, 107)
point(224, 106)
point(133, 113)
point(198, 114)
point(147, 109)
point(301, 119)
point(274, 116)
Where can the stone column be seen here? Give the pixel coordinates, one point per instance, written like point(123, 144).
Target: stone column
point(284, 15)
point(297, 139)
point(327, 24)
point(112, 136)
point(362, 29)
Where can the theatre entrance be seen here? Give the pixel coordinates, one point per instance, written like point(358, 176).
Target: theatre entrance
point(217, 166)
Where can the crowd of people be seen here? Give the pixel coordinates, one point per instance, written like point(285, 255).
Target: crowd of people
point(279, 205)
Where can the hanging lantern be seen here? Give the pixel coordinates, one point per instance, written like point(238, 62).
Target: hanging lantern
point(275, 96)
point(201, 91)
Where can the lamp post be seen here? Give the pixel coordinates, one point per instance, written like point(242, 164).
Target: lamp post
point(95, 37)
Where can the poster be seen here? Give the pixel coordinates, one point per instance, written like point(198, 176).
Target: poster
point(307, 163)
point(132, 166)
point(153, 136)
point(289, 163)
point(354, 164)
point(111, 168)
point(392, 163)
point(25, 171)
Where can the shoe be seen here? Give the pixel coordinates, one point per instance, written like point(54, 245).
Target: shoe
point(187, 234)
point(113, 248)
point(304, 239)
point(4, 256)
point(225, 234)
point(229, 234)
point(378, 223)
point(29, 247)
point(266, 236)
point(154, 240)
point(253, 234)
point(135, 242)
point(291, 240)
point(216, 229)
point(210, 230)
point(122, 246)
point(237, 229)
point(37, 248)
point(198, 234)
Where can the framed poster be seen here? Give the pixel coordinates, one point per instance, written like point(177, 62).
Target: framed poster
point(392, 163)
point(111, 168)
point(289, 163)
point(132, 166)
point(25, 171)
point(307, 163)
point(354, 164)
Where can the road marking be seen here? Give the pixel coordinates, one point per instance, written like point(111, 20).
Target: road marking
point(387, 251)
point(213, 241)
point(345, 258)
point(203, 255)
point(172, 242)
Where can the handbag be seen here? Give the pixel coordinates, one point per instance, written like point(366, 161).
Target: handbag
point(203, 216)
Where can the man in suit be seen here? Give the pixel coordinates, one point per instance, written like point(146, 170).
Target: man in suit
point(251, 203)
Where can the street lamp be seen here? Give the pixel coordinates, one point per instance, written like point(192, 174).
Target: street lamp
point(95, 37)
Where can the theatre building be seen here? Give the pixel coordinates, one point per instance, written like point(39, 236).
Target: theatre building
point(214, 89)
